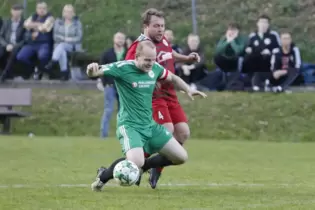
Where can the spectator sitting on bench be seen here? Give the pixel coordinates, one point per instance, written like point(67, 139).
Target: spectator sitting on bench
point(39, 39)
point(67, 38)
point(11, 40)
point(228, 56)
point(285, 65)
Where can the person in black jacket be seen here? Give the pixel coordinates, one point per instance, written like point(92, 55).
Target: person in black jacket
point(284, 66)
point(11, 40)
point(107, 84)
point(193, 72)
point(262, 44)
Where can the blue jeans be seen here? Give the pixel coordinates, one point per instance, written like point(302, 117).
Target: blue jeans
point(110, 94)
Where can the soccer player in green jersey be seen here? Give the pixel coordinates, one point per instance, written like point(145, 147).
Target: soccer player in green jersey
point(136, 130)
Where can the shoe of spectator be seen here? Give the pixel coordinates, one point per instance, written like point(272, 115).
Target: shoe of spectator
point(256, 89)
point(267, 86)
point(64, 76)
point(277, 89)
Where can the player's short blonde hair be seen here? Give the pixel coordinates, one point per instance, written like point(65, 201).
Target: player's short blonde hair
point(142, 45)
point(147, 15)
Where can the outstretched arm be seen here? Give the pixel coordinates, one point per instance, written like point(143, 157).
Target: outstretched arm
point(96, 70)
point(180, 84)
point(194, 57)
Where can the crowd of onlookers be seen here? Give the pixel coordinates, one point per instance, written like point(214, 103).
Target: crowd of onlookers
point(263, 61)
point(41, 40)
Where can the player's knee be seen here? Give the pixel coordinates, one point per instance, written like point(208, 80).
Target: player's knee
point(136, 156)
point(182, 136)
point(182, 132)
point(137, 160)
point(169, 127)
point(181, 157)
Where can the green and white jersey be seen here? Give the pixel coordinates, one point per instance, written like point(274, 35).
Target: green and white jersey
point(135, 89)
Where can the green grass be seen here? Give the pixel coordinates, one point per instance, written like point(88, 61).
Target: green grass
point(222, 116)
point(102, 19)
point(249, 175)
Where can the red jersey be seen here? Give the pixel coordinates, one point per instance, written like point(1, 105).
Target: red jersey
point(165, 58)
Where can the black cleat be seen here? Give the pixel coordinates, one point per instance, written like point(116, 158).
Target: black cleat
point(154, 177)
point(100, 170)
point(139, 180)
point(98, 185)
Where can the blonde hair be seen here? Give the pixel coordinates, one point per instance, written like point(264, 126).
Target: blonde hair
point(69, 6)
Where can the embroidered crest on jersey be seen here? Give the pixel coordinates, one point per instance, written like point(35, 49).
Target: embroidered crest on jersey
point(256, 42)
point(151, 74)
point(134, 84)
point(267, 41)
point(163, 56)
point(165, 42)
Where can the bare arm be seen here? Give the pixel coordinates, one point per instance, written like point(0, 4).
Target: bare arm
point(178, 82)
point(29, 24)
point(179, 57)
point(47, 25)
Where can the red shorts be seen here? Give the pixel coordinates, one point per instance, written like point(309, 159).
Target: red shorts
point(168, 112)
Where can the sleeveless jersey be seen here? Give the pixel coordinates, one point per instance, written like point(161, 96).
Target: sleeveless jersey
point(164, 58)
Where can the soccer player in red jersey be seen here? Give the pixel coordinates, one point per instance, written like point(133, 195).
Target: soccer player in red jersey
point(167, 111)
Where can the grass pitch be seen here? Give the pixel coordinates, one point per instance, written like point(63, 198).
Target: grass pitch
point(55, 173)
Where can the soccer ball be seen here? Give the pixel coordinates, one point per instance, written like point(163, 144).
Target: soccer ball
point(126, 173)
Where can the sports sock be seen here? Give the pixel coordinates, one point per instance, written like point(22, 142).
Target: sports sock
point(155, 162)
point(108, 173)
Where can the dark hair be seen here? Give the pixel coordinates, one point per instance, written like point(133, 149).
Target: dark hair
point(265, 17)
point(147, 15)
point(132, 38)
point(233, 25)
point(17, 7)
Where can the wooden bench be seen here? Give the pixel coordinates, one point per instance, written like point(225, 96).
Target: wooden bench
point(10, 97)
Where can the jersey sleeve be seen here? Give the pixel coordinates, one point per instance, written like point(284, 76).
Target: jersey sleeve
point(111, 70)
point(162, 72)
point(131, 53)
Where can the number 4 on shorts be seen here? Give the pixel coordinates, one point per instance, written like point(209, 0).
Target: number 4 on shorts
point(161, 117)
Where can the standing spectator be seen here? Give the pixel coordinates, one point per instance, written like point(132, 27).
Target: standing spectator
point(170, 37)
point(262, 44)
point(11, 39)
point(39, 41)
point(192, 72)
point(67, 36)
point(1, 21)
point(114, 54)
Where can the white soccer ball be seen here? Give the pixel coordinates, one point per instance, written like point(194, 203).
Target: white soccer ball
point(126, 173)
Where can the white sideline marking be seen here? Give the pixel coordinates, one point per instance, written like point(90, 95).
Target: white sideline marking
point(271, 205)
point(162, 185)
